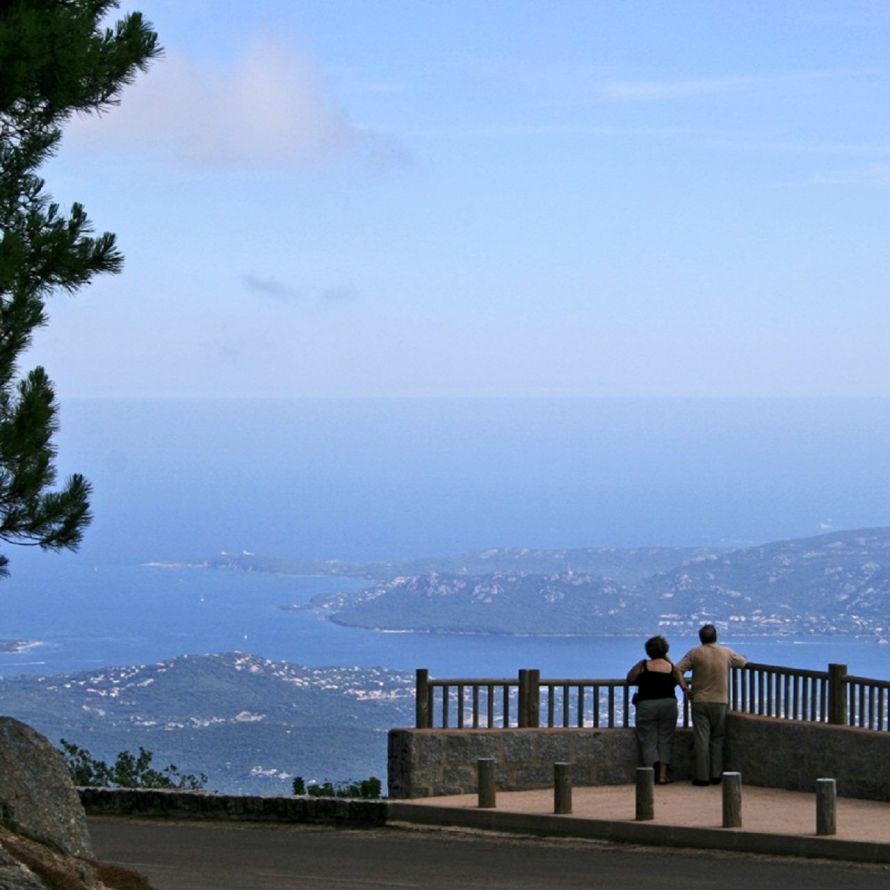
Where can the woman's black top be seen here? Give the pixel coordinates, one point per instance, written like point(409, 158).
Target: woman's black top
point(655, 684)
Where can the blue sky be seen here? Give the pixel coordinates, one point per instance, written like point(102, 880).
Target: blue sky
point(387, 198)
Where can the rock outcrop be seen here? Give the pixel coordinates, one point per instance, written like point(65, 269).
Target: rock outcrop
point(44, 841)
point(37, 797)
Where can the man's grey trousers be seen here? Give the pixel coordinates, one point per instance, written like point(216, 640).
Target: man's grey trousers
point(708, 730)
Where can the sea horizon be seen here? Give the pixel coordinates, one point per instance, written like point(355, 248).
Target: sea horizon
point(180, 480)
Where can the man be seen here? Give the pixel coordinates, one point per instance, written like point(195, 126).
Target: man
point(710, 666)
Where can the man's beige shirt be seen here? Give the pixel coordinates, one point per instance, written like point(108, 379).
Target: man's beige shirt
point(710, 666)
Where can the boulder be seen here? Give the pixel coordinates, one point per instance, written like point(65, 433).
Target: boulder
point(37, 797)
point(26, 864)
point(44, 842)
point(15, 876)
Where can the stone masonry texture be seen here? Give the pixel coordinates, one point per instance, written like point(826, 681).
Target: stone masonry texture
point(768, 752)
point(428, 762)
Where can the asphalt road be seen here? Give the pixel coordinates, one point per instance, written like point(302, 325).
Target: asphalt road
point(213, 856)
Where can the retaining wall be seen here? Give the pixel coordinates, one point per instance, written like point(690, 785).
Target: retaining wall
point(769, 752)
point(428, 762)
point(256, 808)
point(792, 754)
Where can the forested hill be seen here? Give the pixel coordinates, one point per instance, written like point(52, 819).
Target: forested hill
point(620, 564)
point(249, 723)
point(833, 583)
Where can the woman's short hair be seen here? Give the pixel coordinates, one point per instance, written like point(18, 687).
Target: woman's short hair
point(657, 647)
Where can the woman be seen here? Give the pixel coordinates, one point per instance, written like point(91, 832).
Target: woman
point(656, 679)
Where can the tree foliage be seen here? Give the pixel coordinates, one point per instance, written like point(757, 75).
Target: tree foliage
point(366, 789)
point(128, 771)
point(56, 59)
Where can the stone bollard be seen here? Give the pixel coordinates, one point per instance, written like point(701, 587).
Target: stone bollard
point(645, 793)
point(826, 806)
point(732, 800)
point(562, 788)
point(485, 769)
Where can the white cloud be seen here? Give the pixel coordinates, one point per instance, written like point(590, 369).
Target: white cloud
point(656, 91)
point(872, 174)
point(341, 293)
point(270, 287)
point(840, 149)
point(379, 87)
point(618, 91)
point(267, 109)
point(277, 289)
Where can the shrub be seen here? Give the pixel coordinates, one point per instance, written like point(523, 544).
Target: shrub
point(129, 771)
point(367, 789)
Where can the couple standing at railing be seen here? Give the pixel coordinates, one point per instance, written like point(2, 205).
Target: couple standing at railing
point(657, 678)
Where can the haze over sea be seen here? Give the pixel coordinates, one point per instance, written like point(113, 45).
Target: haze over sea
point(178, 481)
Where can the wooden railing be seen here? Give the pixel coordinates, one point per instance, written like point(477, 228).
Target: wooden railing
point(770, 690)
point(524, 701)
point(527, 701)
point(868, 703)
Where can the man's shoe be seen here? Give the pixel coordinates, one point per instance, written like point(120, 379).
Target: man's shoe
point(701, 783)
point(716, 780)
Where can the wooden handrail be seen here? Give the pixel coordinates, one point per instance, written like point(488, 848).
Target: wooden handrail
point(529, 700)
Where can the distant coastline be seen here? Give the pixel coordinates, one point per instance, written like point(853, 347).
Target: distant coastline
point(832, 584)
point(176, 565)
point(15, 647)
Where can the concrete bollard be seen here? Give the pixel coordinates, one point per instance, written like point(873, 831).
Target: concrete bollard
point(826, 806)
point(645, 793)
point(562, 788)
point(485, 770)
point(732, 800)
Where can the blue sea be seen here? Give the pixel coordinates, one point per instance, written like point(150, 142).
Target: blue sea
point(180, 481)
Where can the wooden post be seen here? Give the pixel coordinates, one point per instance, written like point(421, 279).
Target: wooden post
point(522, 704)
point(562, 788)
point(645, 793)
point(486, 787)
point(837, 694)
point(826, 806)
point(534, 698)
point(732, 800)
point(421, 699)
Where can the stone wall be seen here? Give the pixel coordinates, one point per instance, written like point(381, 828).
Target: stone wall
point(428, 762)
point(769, 752)
point(792, 754)
point(167, 804)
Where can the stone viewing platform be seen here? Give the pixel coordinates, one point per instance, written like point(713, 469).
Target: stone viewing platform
point(786, 728)
point(787, 731)
point(774, 822)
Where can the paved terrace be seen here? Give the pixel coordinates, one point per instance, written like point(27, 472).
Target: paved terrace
point(773, 821)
